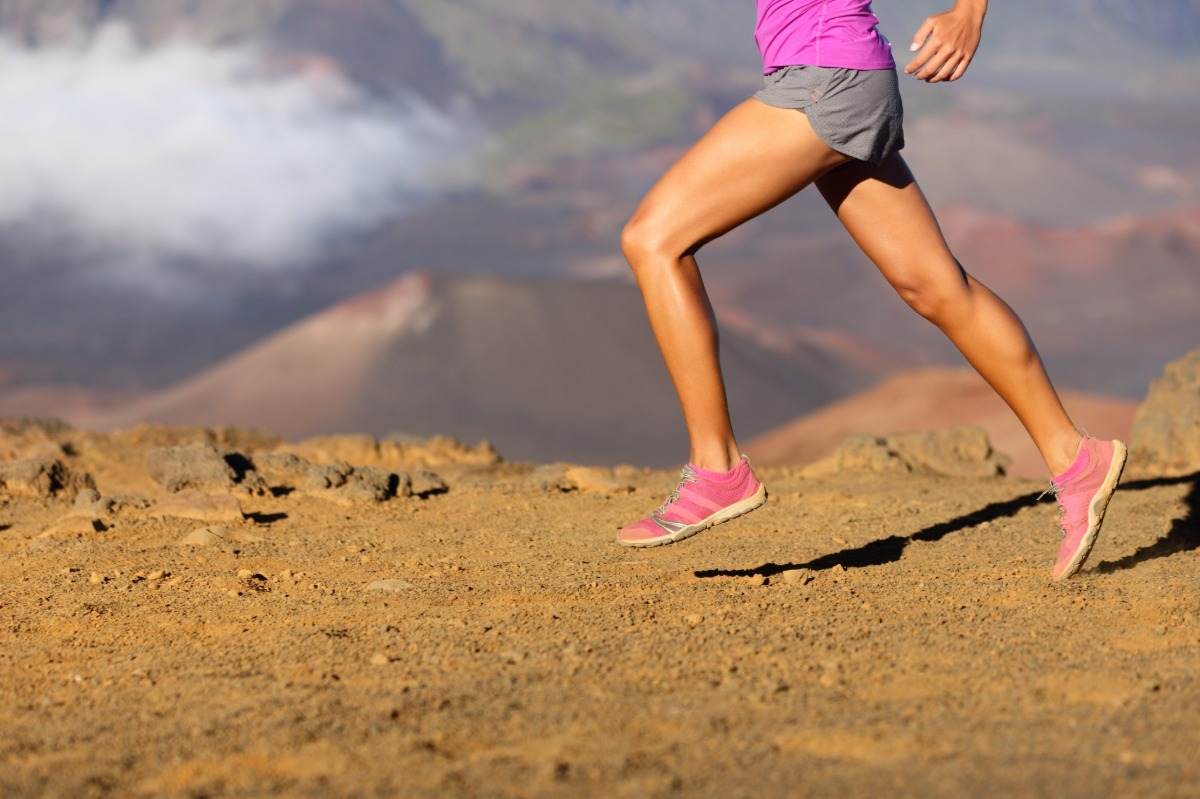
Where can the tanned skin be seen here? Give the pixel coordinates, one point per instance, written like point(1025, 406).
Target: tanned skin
point(755, 157)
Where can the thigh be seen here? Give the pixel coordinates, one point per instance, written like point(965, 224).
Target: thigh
point(753, 158)
point(886, 213)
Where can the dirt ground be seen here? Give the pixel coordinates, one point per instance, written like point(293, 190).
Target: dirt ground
point(855, 636)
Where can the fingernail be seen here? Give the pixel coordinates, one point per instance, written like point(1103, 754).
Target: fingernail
point(914, 46)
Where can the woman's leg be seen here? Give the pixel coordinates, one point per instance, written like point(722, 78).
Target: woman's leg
point(887, 215)
point(753, 158)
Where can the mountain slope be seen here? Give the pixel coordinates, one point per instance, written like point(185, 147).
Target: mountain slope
point(923, 399)
point(543, 369)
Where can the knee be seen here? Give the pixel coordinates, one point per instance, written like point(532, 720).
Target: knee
point(645, 239)
point(939, 301)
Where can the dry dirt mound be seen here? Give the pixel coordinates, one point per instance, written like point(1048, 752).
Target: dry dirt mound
point(868, 633)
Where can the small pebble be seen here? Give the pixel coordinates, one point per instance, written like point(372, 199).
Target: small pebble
point(96, 578)
point(693, 619)
point(380, 659)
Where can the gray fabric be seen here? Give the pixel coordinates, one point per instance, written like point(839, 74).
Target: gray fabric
point(855, 111)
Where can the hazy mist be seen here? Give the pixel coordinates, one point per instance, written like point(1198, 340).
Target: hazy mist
point(195, 153)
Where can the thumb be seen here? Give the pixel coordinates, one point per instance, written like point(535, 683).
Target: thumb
point(922, 34)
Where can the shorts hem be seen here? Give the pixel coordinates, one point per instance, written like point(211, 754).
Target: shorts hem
point(816, 122)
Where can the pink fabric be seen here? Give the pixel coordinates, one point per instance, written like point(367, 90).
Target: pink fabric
point(641, 530)
point(1076, 488)
point(698, 499)
point(824, 33)
point(722, 491)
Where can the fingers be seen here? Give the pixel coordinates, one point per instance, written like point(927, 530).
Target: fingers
point(960, 69)
point(947, 69)
point(944, 52)
point(935, 63)
point(922, 34)
point(919, 43)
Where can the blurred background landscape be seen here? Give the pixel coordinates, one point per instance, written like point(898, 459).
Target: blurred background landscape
point(400, 217)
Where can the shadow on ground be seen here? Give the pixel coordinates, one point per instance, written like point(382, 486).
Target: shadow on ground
point(1183, 536)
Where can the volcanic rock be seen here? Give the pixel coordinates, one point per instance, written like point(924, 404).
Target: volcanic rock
point(1166, 427)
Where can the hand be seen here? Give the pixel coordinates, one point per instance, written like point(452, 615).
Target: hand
point(946, 43)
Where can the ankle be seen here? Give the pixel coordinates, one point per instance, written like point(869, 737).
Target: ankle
point(716, 460)
point(1064, 452)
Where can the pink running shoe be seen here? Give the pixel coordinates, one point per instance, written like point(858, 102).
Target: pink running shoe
point(701, 499)
point(1083, 491)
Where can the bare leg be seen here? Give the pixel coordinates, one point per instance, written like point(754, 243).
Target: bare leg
point(887, 215)
point(753, 158)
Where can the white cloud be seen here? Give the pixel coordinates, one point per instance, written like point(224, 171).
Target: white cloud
point(187, 152)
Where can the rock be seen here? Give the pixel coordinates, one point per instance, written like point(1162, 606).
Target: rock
point(332, 475)
point(1166, 427)
point(693, 619)
point(797, 577)
point(121, 501)
point(157, 574)
point(426, 483)
point(859, 453)
point(394, 586)
point(399, 452)
point(31, 437)
point(337, 481)
point(193, 504)
point(88, 502)
point(96, 578)
point(588, 478)
point(550, 477)
point(42, 476)
point(380, 659)
point(205, 537)
point(368, 484)
point(190, 466)
point(962, 451)
point(86, 498)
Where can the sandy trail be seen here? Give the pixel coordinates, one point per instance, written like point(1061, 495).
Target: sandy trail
point(853, 636)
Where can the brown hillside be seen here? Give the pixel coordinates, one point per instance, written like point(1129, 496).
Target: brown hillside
point(926, 399)
point(543, 369)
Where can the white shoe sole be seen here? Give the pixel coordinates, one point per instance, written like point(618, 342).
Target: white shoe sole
point(1096, 510)
point(723, 515)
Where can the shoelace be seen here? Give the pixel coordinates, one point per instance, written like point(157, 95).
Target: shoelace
point(1056, 490)
point(686, 475)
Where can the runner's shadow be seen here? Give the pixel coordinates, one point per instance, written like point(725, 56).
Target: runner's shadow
point(1184, 535)
point(886, 550)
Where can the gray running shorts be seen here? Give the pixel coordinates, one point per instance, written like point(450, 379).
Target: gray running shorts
point(855, 111)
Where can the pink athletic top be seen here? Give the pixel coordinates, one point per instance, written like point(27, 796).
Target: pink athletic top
point(824, 33)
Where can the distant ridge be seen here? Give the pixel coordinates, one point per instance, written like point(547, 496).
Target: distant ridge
point(544, 369)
